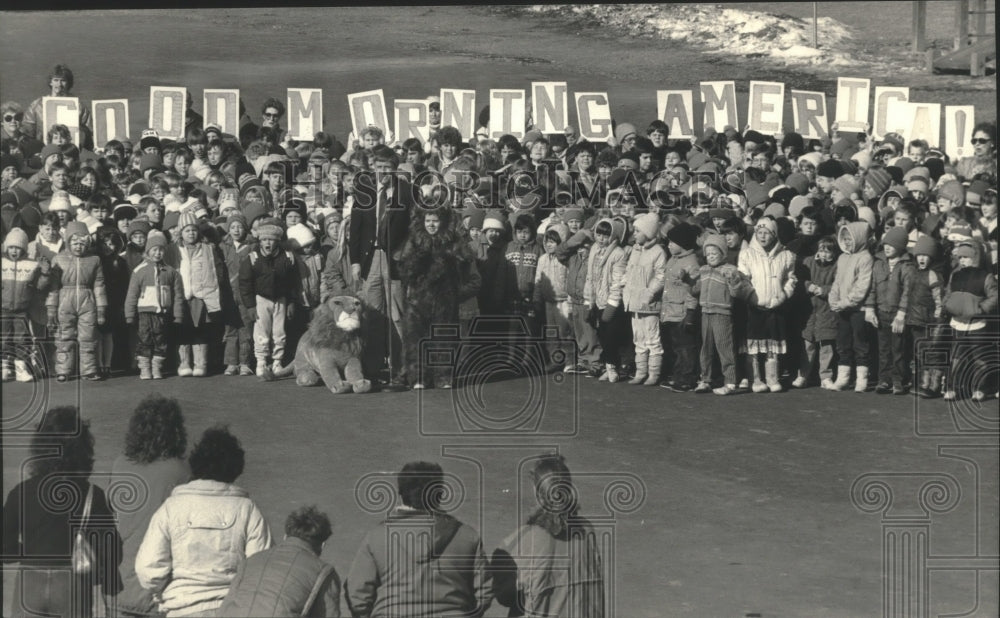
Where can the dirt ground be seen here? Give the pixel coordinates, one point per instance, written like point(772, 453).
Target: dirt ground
point(743, 506)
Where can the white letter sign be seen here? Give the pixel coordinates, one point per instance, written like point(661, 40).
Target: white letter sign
point(720, 105)
point(458, 109)
point(883, 96)
point(222, 107)
point(852, 103)
point(507, 113)
point(676, 109)
point(305, 113)
point(767, 107)
point(367, 108)
point(62, 110)
point(167, 108)
point(594, 113)
point(110, 120)
point(549, 102)
point(809, 114)
point(411, 119)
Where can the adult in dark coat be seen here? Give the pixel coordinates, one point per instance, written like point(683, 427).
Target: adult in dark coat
point(380, 220)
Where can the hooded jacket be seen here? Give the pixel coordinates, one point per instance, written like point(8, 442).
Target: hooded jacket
point(605, 274)
point(438, 568)
point(195, 542)
point(768, 272)
point(22, 280)
point(550, 276)
point(821, 325)
point(852, 282)
point(972, 293)
point(891, 286)
point(644, 278)
point(680, 276)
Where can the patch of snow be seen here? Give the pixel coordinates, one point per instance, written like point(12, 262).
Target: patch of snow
point(716, 29)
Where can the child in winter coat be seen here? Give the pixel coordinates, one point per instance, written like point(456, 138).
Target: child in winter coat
point(155, 298)
point(116, 278)
point(522, 254)
point(239, 330)
point(770, 268)
point(302, 242)
point(23, 280)
point(892, 280)
point(499, 290)
point(203, 274)
point(820, 331)
point(851, 286)
point(925, 308)
point(679, 311)
point(603, 291)
point(550, 300)
point(719, 283)
point(644, 280)
point(269, 287)
point(336, 279)
point(972, 295)
point(577, 253)
point(77, 304)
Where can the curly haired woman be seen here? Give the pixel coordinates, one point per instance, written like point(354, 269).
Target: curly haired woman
point(154, 452)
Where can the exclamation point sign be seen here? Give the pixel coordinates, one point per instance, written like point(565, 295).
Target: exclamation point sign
point(960, 131)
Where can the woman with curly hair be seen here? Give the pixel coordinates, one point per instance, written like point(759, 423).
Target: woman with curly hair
point(201, 533)
point(438, 272)
point(524, 576)
point(42, 515)
point(154, 452)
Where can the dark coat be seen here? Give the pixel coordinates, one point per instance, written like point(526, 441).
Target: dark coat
point(821, 321)
point(393, 224)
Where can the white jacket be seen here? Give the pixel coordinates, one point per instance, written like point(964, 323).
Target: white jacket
point(194, 543)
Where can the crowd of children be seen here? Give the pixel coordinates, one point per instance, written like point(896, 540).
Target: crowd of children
point(732, 262)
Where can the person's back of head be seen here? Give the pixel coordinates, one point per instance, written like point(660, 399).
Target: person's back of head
point(421, 485)
point(310, 525)
point(217, 456)
point(156, 430)
point(62, 427)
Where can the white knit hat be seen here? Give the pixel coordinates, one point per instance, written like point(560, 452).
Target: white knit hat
point(301, 234)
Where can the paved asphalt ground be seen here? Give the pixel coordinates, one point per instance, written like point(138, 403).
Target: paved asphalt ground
point(721, 506)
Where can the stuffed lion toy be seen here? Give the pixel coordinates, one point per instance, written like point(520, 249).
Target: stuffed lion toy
point(331, 349)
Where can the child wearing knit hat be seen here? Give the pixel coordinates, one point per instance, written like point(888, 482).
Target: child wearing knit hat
point(605, 279)
point(719, 283)
point(269, 288)
point(892, 280)
point(644, 277)
point(154, 299)
point(925, 308)
point(970, 299)
point(24, 280)
point(201, 268)
point(679, 307)
point(238, 335)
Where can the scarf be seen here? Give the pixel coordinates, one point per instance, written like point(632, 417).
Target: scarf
point(199, 276)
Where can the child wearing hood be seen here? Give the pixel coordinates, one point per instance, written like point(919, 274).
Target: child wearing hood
point(549, 297)
point(926, 307)
point(603, 291)
point(892, 281)
point(678, 311)
point(971, 297)
point(770, 267)
point(820, 331)
point(23, 280)
point(850, 290)
point(116, 278)
point(238, 337)
point(644, 279)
